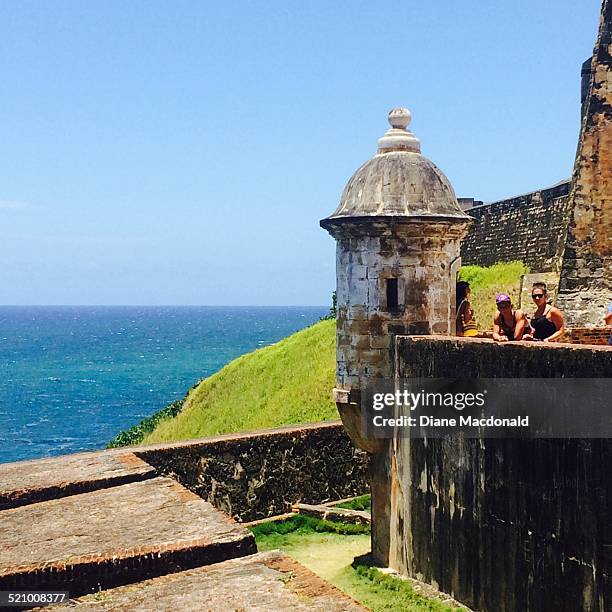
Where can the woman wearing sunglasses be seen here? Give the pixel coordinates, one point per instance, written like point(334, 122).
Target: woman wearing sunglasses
point(547, 321)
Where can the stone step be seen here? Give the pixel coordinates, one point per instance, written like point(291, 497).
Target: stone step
point(114, 536)
point(28, 482)
point(265, 581)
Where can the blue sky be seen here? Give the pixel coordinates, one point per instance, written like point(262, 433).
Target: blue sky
point(184, 152)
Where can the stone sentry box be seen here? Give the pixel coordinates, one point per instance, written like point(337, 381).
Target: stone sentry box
point(398, 230)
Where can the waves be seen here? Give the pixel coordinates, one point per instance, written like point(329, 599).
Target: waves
point(72, 377)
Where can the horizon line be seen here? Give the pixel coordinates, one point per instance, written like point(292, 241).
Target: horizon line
point(164, 306)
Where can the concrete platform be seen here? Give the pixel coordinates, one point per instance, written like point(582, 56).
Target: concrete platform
point(265, 581)
point(27, 482)
point(114, 536)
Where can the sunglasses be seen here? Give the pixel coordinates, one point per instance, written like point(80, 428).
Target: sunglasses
point(537, 296)
point(503, 305)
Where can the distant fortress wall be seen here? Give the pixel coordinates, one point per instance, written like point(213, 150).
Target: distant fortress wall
point(530, 228)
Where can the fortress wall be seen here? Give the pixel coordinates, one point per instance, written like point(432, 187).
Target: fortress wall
point(254, 476)
point(512, 525)
point(530, 228)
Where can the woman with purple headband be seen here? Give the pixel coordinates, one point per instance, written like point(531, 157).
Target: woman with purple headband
point(508, 324)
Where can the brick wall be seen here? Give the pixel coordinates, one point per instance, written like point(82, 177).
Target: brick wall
point(587, 335)
point(530, 228)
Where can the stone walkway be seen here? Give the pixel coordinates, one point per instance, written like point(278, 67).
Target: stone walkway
point(114, 535)
point(26, 482)
point(106, 528)
point(265, 581)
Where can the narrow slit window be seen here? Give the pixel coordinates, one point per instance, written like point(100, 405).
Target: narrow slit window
point(392, 294)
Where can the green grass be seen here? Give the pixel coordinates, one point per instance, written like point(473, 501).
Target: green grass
point(486, 282)
point(301, 524)
point(339, 556)
point(384, 593)
point(363, 502)
point(286, 383)
point(137, 433)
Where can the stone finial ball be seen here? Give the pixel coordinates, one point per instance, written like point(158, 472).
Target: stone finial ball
point(399, 118)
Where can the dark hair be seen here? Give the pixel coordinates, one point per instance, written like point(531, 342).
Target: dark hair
point(539, 285)
point(462, 289)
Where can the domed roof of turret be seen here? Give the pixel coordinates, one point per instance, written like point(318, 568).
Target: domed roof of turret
point(398, 183)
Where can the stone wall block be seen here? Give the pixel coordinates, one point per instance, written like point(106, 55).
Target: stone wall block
point(310, 464)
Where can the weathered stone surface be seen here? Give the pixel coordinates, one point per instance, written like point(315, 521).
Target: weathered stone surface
point(475, 357)
point(420, 257)
point(530, 228)
point(113, 536)
point(552, 284)
point(398, 227)
point(261, 474)
point(329, 513)
point(265, 581)
point(456, 503)
point(586, 276)
point(26, 482)
point(397, 183)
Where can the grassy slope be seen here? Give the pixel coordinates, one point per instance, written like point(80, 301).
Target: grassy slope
point(286, 383)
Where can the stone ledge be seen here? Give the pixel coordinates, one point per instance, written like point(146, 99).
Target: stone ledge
point(260, 433)
point(114, 536)
point(264, 581)
point(27, 482)
point(330, 513)
point(452, 357)
point(251, 476)
point(527, 345)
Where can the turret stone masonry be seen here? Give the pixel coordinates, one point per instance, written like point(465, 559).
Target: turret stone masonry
point(398, 230)
point(585, 287)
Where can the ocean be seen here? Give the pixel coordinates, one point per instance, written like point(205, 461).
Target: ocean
point(71, 377)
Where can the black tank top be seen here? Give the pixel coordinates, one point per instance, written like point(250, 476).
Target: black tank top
point(508, 330)
point(542, 327)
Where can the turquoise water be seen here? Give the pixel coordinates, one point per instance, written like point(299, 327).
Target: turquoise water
point(72, 377)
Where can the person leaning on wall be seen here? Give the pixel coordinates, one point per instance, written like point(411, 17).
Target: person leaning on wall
point(508, 324)
point(608, 320)
point(547, 324)
point(466, 324)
